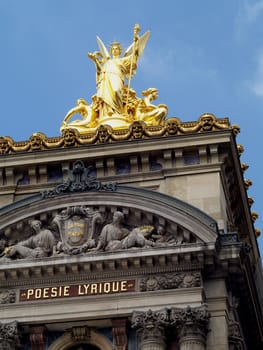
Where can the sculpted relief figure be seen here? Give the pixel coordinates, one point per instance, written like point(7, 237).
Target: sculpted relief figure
point(115, 103)
point(83, 230)
point(148, 112)
point(112, 234)
point(115, 236)
point(163, 238)
point(88, 112)
point(39, 245)
point(139, 237)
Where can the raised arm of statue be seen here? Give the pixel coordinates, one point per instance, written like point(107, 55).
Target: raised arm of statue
point(139, 43)
point(97, 58)
point(135, 50)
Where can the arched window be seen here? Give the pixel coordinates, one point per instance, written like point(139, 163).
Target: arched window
point(83, 346)
point(94, 341)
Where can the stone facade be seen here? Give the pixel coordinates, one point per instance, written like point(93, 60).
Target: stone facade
point(144, 244)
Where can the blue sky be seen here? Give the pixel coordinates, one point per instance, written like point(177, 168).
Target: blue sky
point(203, 56)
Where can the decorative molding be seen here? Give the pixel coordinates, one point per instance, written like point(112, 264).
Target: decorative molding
point(171, 281)
point(77, 227)
point(80, 333)
point(105, 134)
point(87, 230)
point(51, 273)
point(228, 238)
point(10, 336)
point(79, 180)
point(162, 205)
point(77, 335)
point(7, 296)
point(150, 325)
point(190, 321)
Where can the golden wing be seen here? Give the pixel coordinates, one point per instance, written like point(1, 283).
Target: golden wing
point(103, 49)
point(142, 41)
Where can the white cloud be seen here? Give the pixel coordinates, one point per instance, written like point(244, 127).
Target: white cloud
point(253, 11)
point(180, 60)
point(257, 85)
point(249, 14)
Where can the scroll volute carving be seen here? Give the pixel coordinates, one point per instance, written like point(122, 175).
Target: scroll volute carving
point(191, 320)
point(150, 325)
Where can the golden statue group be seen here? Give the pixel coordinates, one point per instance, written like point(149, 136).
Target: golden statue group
point(115, 103)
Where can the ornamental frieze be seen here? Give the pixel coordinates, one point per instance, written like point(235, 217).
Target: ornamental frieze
point(10, 338)
point(171, 281)
point(80, 180)
point(105, 133)
point(7, 296)
point(84, 230)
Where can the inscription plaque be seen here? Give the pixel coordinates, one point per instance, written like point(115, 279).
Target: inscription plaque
point(77, 290)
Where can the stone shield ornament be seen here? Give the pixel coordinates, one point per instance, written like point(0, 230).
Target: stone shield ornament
point(77, 227)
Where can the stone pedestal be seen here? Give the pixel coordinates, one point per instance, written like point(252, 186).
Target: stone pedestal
point(191, 327)
point(150, 326)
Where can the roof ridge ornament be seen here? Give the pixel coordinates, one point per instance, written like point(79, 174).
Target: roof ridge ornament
point(80, 180)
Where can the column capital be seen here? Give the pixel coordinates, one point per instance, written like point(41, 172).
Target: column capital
point(191, 321)
point(151, 324)
point(9, 336)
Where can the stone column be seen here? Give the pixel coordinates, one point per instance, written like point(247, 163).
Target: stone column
point(150, 326)
point(119, 334)
point(37, 337)
point(191, 326)
point(9, 336)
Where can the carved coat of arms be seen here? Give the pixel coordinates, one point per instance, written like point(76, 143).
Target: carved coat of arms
point(78, 227)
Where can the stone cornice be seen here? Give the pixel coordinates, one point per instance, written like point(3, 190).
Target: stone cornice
point(136, 262)
point(122, 148)
point(71, 138)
